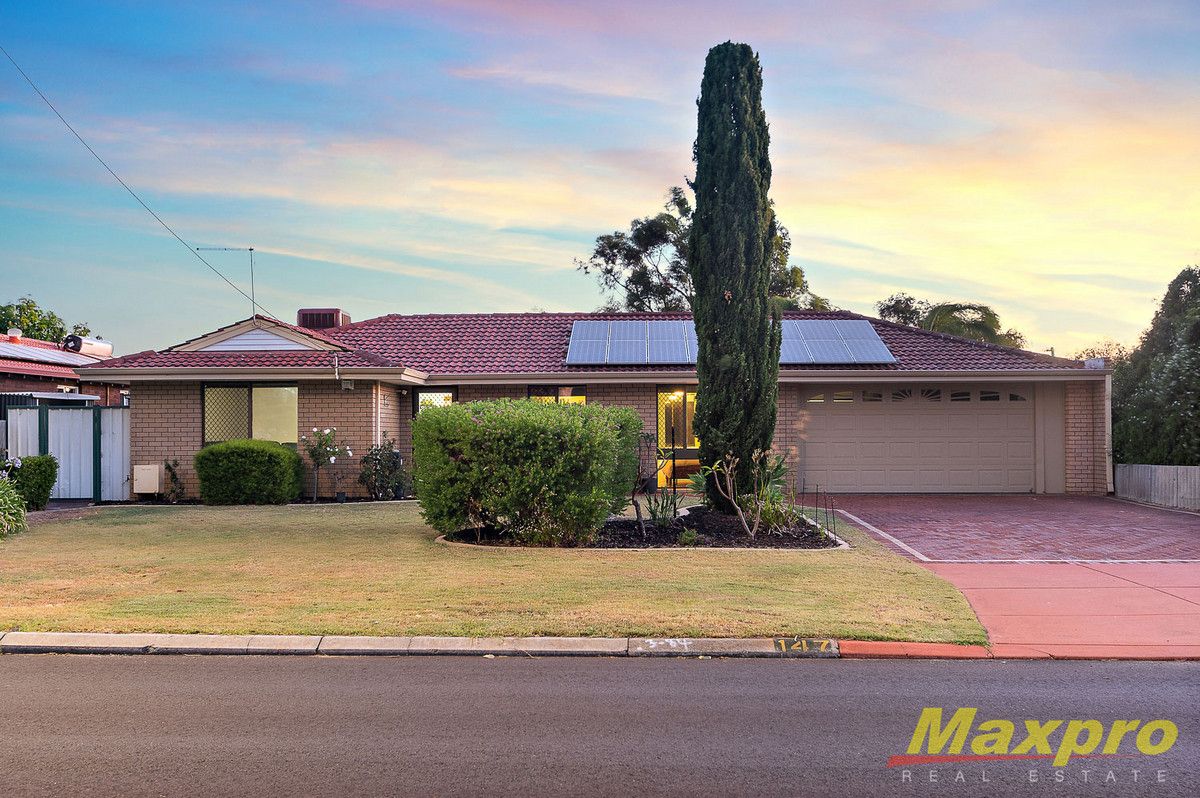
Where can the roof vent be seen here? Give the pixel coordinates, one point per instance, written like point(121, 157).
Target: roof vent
point(14, 335)
point(321, 318)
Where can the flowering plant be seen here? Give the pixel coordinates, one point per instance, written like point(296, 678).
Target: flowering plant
point(9, 466)
point(323, 450)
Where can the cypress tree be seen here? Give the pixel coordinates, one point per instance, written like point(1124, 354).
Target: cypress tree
point(730, 265)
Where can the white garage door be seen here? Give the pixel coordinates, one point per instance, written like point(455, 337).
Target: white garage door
point(918, 438)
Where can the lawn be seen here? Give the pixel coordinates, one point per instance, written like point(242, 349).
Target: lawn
point(376, 569)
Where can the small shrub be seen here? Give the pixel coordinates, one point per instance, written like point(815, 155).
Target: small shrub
point(324, 450)
point(662, 507)
point(383, 472)
point(544, 474)
point(12, 509)
point(248, 472)
point(689, 537)
point(35, 479)
point(174, 491)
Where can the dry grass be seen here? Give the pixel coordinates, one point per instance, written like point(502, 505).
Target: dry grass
point(375, 569)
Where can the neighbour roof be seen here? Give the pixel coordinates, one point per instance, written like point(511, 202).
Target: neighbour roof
point(10, 365)
point(445, 345)
point(37, 358)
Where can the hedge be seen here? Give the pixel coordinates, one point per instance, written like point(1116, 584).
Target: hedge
point(545, 474)
point(12, 509)
point(248, 472)
point(35, 480)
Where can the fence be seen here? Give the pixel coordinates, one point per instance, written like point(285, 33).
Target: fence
point(1167, 486)
point(91, 445)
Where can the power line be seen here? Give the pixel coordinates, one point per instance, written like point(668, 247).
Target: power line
point(125, 185)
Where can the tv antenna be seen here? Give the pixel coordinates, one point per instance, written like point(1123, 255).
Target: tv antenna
point(254, 306)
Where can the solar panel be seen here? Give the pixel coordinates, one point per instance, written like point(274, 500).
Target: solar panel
point(793, 350)
point(40, 354)
point(856, 330)
point(670, 352)
point(674, 342)
point(628, 330)
point(829, 352)
point(869, 352)
point(586, 352)
point(627, 352)
point(590, 331)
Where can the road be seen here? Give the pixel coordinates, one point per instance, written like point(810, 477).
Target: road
point(176, 725)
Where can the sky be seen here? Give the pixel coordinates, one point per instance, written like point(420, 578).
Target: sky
point(393, 157)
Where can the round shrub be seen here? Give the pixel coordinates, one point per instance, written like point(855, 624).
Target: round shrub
point(35, 479)
point(12, 509)
point(544, 474)
point(248, 472)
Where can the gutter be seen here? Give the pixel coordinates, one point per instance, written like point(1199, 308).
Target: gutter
point(392, 375)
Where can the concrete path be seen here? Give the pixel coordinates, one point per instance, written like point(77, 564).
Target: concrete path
point(340, 726)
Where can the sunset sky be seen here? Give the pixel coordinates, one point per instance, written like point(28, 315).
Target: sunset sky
point(457, 156)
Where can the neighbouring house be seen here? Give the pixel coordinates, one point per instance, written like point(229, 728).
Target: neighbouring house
point(33, 367)
point(864, 405)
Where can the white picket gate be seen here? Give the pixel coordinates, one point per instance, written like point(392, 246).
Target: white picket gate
point(91, 445)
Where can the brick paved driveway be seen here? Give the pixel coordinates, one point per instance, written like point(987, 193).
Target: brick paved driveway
point(996, 528)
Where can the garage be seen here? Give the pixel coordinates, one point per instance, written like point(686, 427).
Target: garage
point(929, 438)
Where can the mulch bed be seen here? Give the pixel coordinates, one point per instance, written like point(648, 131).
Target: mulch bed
point(713, 531)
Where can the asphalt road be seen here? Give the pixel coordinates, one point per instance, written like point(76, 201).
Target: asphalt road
point(174, 725)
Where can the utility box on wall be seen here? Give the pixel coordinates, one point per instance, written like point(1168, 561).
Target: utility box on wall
point(147, 479)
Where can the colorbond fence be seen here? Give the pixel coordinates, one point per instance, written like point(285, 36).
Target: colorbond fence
point(1167, 486)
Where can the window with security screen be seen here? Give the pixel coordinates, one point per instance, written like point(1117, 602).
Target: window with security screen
point(267, 412)
point(559, 394)
point(425, 398)
point(226, 413)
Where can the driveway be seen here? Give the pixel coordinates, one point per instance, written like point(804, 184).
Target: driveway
point(1055, 576)
point(1025, 528)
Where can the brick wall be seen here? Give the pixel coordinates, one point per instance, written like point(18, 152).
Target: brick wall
point(1086, 437)
point(165, 424)
point(353, 412)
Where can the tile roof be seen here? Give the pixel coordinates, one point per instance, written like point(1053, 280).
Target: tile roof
point(536, 343)
point(445, 345)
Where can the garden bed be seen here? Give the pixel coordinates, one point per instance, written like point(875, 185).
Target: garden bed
point(712, 530)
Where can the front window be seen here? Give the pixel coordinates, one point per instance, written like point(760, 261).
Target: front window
point(424, 398)
point(263, 412)
point(559, 394)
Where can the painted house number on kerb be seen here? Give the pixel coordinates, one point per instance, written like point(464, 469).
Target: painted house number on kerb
point(805, 647)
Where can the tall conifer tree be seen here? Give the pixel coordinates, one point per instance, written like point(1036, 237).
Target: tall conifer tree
point(730, 264)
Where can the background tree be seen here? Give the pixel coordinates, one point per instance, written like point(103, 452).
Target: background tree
point(646, 269)
point(37, 322)
point(729, 254)
point(1156, 389)
point(972, 320)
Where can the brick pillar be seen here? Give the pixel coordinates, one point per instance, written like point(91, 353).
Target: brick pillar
point(1086, 425)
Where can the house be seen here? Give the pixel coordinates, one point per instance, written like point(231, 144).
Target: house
point(32, 367)
point(864, 405)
